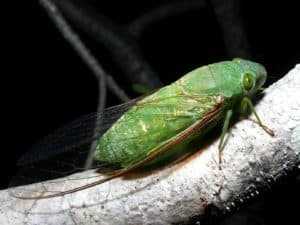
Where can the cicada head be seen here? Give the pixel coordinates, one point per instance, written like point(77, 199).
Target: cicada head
point(253, 77)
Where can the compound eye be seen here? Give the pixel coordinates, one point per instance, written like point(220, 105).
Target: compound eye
point(248, 81)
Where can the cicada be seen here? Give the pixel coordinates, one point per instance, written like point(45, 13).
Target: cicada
point(155, 128)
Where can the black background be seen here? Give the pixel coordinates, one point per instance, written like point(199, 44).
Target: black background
point(48, 84)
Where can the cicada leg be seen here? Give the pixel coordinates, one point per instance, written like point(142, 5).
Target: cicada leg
point(224, 131)
point(246, 102)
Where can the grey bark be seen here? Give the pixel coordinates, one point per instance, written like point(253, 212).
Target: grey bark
point(252, 161)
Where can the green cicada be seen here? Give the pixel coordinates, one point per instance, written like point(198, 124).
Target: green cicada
point(163, 124)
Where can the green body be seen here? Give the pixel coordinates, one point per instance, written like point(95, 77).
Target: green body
point(159, 117)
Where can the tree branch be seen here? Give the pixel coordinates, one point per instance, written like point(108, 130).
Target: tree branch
point(252, 161)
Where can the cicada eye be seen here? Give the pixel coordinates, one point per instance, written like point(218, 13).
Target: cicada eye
point(248, 81)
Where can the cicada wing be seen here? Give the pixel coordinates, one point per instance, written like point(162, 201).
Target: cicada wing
point(65, 151)
point(47, 189)
point(72, 160)
point(77, 133)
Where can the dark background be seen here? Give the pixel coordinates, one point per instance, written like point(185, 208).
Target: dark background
point(49, 84)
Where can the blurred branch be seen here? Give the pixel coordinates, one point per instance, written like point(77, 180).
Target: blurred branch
point(84, 53)
point(234, 34)
point(121, 45)
point(114, 87)
point(79, 47)
point(162, 12)
point(227, 13)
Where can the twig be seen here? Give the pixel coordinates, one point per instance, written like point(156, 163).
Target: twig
point(252, 162)
point(80, 48)
point(121, 45)
point(114, 87)
point(102, 77)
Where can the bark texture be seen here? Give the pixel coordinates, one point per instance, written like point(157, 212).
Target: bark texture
point(252, 161)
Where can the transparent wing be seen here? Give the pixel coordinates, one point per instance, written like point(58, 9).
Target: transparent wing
point(65, 151)
point(66, 161)
point(79, 132)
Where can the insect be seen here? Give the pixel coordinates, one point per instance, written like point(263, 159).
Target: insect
point(155, 128)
